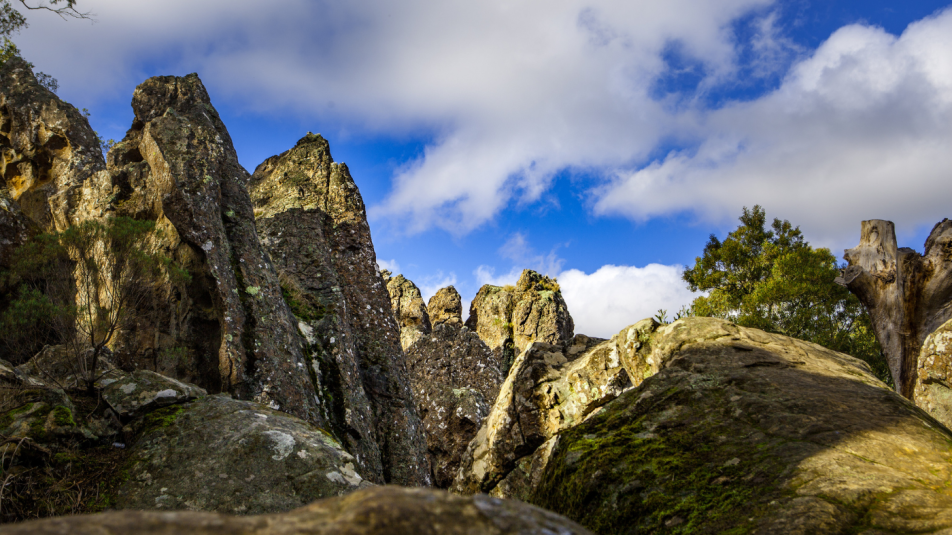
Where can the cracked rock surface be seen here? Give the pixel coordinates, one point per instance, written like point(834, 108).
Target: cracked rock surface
point(231, 456)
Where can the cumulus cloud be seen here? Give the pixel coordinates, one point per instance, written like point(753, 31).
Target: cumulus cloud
point(430, 284)
point(604, 302)
point(390, 265)
point(860, 129)
point(510, 93)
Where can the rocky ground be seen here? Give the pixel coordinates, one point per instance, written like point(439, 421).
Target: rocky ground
point(288, 386)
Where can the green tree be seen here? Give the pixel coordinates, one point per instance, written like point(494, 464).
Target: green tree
point(771, 279)
point(80, 287)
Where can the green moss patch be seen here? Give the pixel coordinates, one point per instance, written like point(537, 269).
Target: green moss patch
point(160, 418)
point(676, 466)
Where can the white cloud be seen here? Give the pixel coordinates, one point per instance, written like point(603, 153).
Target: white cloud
point(430, 284)
point(518, 249)
point(390, 265)
point(608, 300)
point(859, 130)
point(512, 92)
point(487, 275)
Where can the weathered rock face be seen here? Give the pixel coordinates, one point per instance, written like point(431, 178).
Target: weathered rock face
point(455, 380)
point(446, 306)
point(47, 148)
point(224, 455)
point(408, 308)
point(933, 390)
point(509, 318)
point(226, 330)
point(490, 316)
point(312, 220)
point(372, 511)
point(907, 294)
point(544, 394)
point(14, 228)
point(743, 431)
point(540, 314)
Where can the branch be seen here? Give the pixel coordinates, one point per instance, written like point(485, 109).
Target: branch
point(64, 12)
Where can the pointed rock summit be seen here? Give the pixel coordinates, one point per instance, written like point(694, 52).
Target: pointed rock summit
point(312, 220)
point(509, 318)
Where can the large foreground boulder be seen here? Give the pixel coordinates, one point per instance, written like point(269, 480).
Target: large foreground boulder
point(374, 511)
point(225, 455)
point(312, 220)
point(746, 432)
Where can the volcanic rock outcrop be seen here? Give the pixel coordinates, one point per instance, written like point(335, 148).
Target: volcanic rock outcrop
point(510, 318)
point(312, 220)
point(745, 431)
point(548, 390)
point(445, 307)
point(408, 308)
point(373, 511)
point(227, 328)
point(47, 149)
point(454, 376)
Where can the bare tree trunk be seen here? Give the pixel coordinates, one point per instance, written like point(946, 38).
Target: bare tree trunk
point(907, 294)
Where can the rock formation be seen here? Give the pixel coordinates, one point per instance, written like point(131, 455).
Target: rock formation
point(744, 431)
point(455, 379)
point(908, 295)
point(228, 329)
point(545, 393)
point(47, 149)
point(312, 220)
point(446, 306)
point(933, 388)
point(454, 376)
point(229, 456)
point(510, 318)
point(373, 511)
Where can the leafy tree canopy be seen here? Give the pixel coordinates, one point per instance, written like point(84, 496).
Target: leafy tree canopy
point(771, 279)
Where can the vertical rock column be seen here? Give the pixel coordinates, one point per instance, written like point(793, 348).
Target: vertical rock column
point(311, 217)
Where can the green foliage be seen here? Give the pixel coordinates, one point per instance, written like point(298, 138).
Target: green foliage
point(775, 281)
point(79, 287)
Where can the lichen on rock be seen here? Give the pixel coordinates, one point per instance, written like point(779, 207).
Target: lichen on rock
point(312, 220)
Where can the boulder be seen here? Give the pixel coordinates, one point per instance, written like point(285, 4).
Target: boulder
point(933, 389)
point(312, 220)
point(446, 306)
point(509, 318)
point(544, 394)
point(744, 431)
point(408, 308)
point(372, 511)
point(455, 380)
point(143, 391)
point(226, 455)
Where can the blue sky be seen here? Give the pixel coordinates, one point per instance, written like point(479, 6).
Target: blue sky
point(599, 141)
